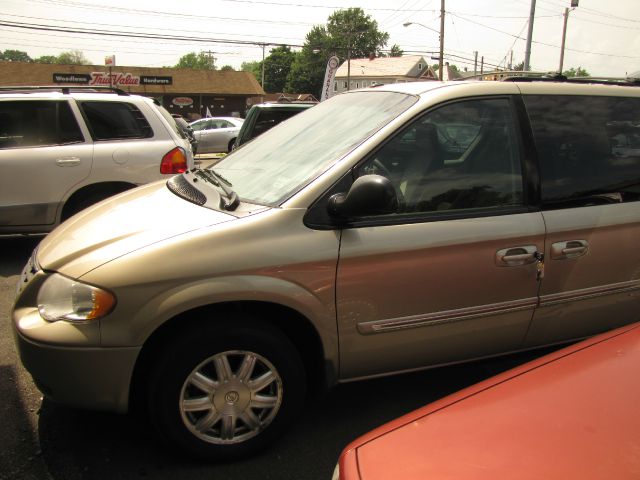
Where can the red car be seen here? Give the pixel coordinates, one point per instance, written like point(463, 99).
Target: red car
point(573, 414)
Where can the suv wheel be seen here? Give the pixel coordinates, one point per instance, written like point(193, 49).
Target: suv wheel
point(226, 390)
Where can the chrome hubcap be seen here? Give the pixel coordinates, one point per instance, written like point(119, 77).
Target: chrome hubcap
point(230, 397)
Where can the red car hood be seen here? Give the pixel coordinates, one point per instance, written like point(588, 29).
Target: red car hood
point(570, 415)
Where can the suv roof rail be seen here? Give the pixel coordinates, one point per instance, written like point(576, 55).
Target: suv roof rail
point(65, 89)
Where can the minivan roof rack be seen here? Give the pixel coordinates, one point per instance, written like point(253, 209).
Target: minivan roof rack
point(556, 77)
point(65, 89)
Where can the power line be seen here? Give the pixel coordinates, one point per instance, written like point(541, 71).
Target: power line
point(114, 33)
point(180, 15)
point(543, 43)
point(122, 26)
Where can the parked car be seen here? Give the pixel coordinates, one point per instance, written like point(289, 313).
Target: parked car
point(216, 134)
point(570, 414)
point(264, 116)
point(348, 242)
point(63, 149)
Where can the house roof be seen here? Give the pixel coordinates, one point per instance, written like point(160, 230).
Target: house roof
point(381, 66)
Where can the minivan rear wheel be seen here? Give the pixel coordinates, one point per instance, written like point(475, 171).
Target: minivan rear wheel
point(225, 391)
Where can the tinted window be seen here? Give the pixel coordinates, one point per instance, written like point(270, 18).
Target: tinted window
point(37, 123)
point(461, 156)
point(270, 118)
point(588, 148)
point(115, 121)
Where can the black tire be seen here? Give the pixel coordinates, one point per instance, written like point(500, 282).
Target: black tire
point(230, 146)
point(214, 409)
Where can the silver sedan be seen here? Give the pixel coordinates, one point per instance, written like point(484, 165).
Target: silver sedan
point(216, 134)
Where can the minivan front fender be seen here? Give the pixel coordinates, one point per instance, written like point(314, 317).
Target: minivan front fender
point(317, 307)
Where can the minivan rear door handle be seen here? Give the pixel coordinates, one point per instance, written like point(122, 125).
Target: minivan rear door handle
point(516, 256)
point(68, 161)
point(569, 249)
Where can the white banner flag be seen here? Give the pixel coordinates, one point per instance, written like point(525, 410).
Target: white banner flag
point(329, 77)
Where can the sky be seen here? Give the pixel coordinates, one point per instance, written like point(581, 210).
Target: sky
point(603, 36)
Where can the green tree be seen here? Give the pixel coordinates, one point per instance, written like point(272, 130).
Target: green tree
point(227, 68)
point(46, 59)
point(197, 61)
point(353, 31)
point(396, 51)
point(276, 69)
point(576, 72)
point(308, 68)
point(253, 67)
point(15, 56)
point(348, 33)
point(518, 67)
point(72, 57)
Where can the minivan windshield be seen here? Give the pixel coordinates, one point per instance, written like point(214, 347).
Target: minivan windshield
point(274, 166)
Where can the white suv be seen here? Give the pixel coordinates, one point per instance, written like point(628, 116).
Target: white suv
point(63, 149)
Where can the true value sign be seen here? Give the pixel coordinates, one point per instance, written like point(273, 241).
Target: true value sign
point(118, 79)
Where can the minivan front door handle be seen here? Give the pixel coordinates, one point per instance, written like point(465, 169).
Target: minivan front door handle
point(68, 161)
point(569, 249)
point(516, 256)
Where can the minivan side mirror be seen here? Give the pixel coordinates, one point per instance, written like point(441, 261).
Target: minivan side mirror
point(369, 195)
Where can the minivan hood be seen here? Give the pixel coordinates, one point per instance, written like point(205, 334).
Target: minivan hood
point(120, 225)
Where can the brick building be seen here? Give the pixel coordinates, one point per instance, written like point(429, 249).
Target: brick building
point(187, 92)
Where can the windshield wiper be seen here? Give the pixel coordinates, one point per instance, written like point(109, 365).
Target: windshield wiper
point(232, 200)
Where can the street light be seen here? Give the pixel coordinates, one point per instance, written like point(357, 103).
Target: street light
point(440, 36)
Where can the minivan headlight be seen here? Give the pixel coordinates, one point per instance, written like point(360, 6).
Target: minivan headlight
point(61, 298)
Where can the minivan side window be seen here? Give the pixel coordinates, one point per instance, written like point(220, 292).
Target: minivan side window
point(588, 149)
point(115, 121)
point(37, 123)
point(464, 155)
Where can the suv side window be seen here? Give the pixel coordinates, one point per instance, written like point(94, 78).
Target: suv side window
point(37, 123)
point(463, 155)
point(588, 149)
point(115, 121)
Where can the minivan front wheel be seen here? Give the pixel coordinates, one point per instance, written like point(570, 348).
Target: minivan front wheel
point(226, 392)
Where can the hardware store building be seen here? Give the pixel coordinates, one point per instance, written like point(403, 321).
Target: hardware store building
point(190, 93)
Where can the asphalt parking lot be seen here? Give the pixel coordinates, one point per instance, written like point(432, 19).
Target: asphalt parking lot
point(42, 440)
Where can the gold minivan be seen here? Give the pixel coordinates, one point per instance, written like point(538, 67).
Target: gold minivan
point(382, 231)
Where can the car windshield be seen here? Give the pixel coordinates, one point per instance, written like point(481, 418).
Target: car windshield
point(279, 163)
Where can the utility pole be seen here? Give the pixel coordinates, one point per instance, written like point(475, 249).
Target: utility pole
point(349, 67)
point(262, 83)
point(564, 36)
point(440, 61)
point(211, 59)
point(475, 63)
point(527, 52)
point(574, 4)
